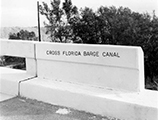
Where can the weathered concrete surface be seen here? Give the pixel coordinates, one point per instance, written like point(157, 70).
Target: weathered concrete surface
point(10, 78)
point(123, 71)
point(27, 109)
point(4, 97)
point(25, 49)
point(122, 105)
point(19, 48)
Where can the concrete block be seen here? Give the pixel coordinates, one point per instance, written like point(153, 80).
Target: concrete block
point(19, 48)
point(10, 78)
point(4, 97)
point(107, 66)
point(107, 55)
point(95, 75)
point(31, 66)
point(122, 105)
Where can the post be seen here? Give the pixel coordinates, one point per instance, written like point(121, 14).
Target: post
point(38, 15)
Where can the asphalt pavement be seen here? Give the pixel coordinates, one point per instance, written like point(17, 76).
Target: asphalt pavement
point(19, 108)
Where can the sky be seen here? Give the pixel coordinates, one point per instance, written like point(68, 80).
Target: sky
point(23, 13)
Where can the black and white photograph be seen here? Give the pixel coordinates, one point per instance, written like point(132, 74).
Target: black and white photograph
point(79, 60)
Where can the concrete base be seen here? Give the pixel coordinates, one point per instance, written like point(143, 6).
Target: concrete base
point(123, 105)
point(4, 97)
point(10, 79)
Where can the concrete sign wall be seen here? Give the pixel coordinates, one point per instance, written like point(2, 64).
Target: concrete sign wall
point(104, 66)
point(91, 78)
point(19, 48)
point(91, 54)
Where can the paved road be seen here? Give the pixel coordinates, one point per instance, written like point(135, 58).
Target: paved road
point(18, 108)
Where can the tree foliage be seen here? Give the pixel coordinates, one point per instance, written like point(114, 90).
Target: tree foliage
point(58, 17)
point(23, 35)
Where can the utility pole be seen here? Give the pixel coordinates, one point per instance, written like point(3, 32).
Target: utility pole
point(38, 15)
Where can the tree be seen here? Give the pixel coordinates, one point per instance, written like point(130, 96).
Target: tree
point(151, 49)
point(23, 35)
point(53, 16)
point(58, 19)
point(69, 9)
point(85, 27)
